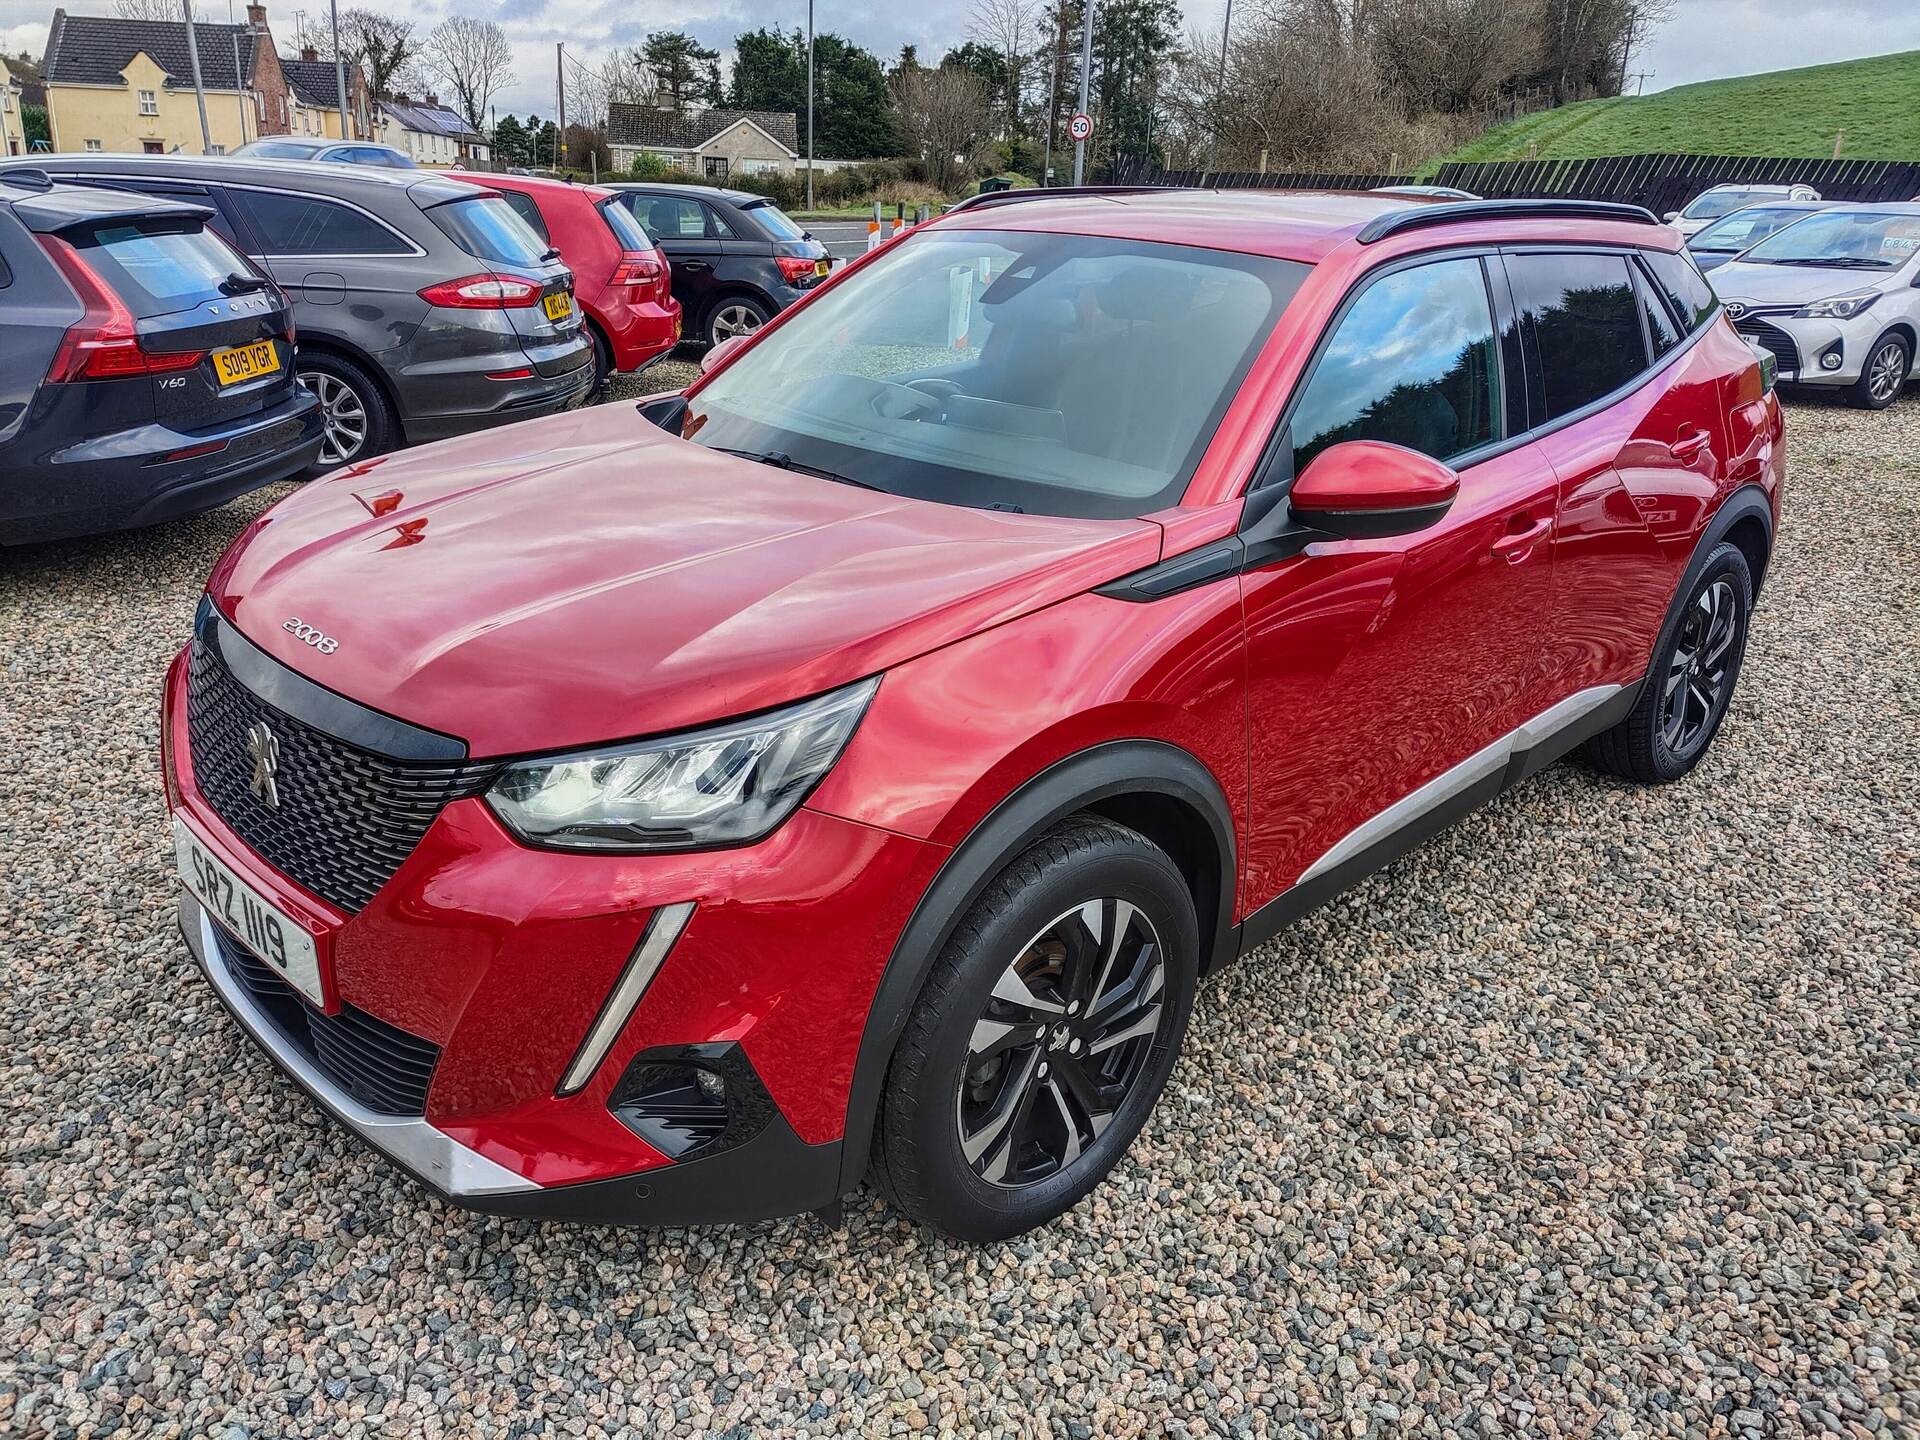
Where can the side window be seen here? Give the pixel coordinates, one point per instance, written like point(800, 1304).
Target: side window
point(1412, 362)
point(1660, 331)
point(1692, 297)
point(720, 226)
point(308, 225)
point(1586, 325)
point(672, 218)
point(522, 205)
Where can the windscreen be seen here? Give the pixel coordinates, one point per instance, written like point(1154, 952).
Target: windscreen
point(1715, 203)
point(276, 150)
point(487, 229)
point(158, 271)
point(1058, 374)
point(1843, 240)
point(776, 222)
point(628, 232)
point(1744, 228)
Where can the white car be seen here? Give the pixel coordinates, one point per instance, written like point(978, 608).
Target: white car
point(1835, 297)
point(1709, 205)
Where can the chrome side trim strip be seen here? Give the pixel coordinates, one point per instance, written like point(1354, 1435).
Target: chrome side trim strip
point(1468, 773)
point(413, 1144)
point(662, 930)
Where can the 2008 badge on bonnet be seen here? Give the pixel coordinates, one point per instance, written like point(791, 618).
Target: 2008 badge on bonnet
point(318, 639)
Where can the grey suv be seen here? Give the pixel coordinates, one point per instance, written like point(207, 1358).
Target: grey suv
point(424, 306)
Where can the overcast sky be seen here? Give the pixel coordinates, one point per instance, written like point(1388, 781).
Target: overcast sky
point(1705, 40)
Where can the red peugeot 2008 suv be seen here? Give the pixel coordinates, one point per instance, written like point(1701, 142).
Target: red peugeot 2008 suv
point(849, 767)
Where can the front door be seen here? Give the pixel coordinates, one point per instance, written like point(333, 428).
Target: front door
point(1380, 672)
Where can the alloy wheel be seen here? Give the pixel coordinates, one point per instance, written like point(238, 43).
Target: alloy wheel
point(1887, 371)
point(1697, 676)
point(343, 417)
point(1063, 1040)
point(734, 319)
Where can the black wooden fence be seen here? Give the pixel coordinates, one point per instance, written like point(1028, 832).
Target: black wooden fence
point(1667, 182)
point(1659, 182)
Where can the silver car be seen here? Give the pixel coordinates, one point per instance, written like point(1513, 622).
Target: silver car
point(1710, 204)
point(1835, 297)
point(425, 307)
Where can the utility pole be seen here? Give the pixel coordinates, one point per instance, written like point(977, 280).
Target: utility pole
point(1220, 88)
point(560, 105)
point(809, 104)
point(1053, 93)
point(239, 80)
point(340, 71)
point(1086, 66)
point(199, 90)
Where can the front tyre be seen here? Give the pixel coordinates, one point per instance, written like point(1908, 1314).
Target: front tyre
point(1690, 683)
point(1043, 1037)
point(1884, 375)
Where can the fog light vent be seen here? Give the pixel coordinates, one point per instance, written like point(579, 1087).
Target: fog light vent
point(677, 1109)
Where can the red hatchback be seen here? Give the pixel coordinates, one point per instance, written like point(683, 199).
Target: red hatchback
point(619, 275)
point(850, 767)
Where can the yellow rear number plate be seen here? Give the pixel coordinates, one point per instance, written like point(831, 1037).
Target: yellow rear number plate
point(558, 306)
point(246, 362)
point(820, 267)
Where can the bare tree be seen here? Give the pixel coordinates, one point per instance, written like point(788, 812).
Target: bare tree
point(148, 9)
point(1010, 28)
point(381, 47)
point(942, 115)
point(472, 58)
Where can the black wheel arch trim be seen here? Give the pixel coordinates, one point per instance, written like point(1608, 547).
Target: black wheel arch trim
point(1080, 782)
point(1749, 502)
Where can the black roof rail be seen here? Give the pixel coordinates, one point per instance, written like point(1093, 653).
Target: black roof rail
point(27, 178)
point(1416, 217)
point(1055, 192)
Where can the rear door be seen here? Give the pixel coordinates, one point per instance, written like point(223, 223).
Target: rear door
point(486, 227)
point(1633, 425)
point(212, 328)
point(687, 236)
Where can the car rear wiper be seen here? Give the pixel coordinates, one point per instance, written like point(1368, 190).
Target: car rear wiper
point(238, 284)
point(780, 460)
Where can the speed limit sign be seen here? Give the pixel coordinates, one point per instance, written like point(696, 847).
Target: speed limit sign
point(1081, 126)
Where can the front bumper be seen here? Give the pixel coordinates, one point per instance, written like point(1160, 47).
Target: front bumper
point(1798, 344)
point(501, 960)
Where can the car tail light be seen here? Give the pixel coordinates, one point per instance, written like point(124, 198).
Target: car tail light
point(483, 292)
point(794, 268)
point(636, 267)
point(102, 344)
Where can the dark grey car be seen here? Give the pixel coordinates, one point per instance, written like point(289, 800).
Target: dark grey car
point(425, 307)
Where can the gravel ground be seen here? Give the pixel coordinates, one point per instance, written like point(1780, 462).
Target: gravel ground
point(1598, 1115)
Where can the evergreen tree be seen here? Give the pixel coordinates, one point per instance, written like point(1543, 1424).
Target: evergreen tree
point(852, 110)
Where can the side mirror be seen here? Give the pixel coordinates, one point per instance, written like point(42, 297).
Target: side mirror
point(717, 354)
point(1670, 217)
point(1367, 489)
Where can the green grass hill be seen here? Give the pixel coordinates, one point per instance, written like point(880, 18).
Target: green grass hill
point(1782, 112)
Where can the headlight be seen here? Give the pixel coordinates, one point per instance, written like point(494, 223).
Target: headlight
point(1838, 307)
point(728, 785)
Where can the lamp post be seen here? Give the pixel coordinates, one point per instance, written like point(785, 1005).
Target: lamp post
point(340, 71)
point(199, 90)
point(1220, 87)
point(809, 104)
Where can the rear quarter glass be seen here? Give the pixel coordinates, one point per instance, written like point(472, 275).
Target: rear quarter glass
point(158, 270)
point(487, 229)
point(627, 230)
point(775, 221)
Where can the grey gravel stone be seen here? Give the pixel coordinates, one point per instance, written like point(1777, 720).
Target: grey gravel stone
point(1595, 1116)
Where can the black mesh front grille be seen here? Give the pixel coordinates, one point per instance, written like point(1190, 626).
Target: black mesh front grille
point(383, 1067)
point(346, 819)
point(1771, 337)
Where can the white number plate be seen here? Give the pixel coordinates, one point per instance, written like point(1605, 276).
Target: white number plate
point(265, 930)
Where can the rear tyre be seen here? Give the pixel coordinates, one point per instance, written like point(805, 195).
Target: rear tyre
point(1043, 1037)
point(1884, 375)
point(354, 414)
point(735, 315)
point(602, 368)
point(1690, 683)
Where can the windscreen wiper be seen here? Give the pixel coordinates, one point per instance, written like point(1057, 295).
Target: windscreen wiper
point(780, 460)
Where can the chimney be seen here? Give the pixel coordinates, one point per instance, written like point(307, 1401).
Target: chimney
point(256, 17)
point(307, 52)
point(433, 100)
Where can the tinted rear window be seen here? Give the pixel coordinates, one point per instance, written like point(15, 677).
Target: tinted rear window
point(1685, 287)
point(308, 225)
point(627, 231)
point(523, 205)
point(158, 271)
point(776, 222)
point(487, 229)
point(1586, 325)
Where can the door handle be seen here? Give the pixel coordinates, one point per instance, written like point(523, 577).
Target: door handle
point(695, 265)
point(1517, 546)
point(1690, 444)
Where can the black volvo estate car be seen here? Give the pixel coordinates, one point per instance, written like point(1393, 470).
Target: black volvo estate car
point(147, 367)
